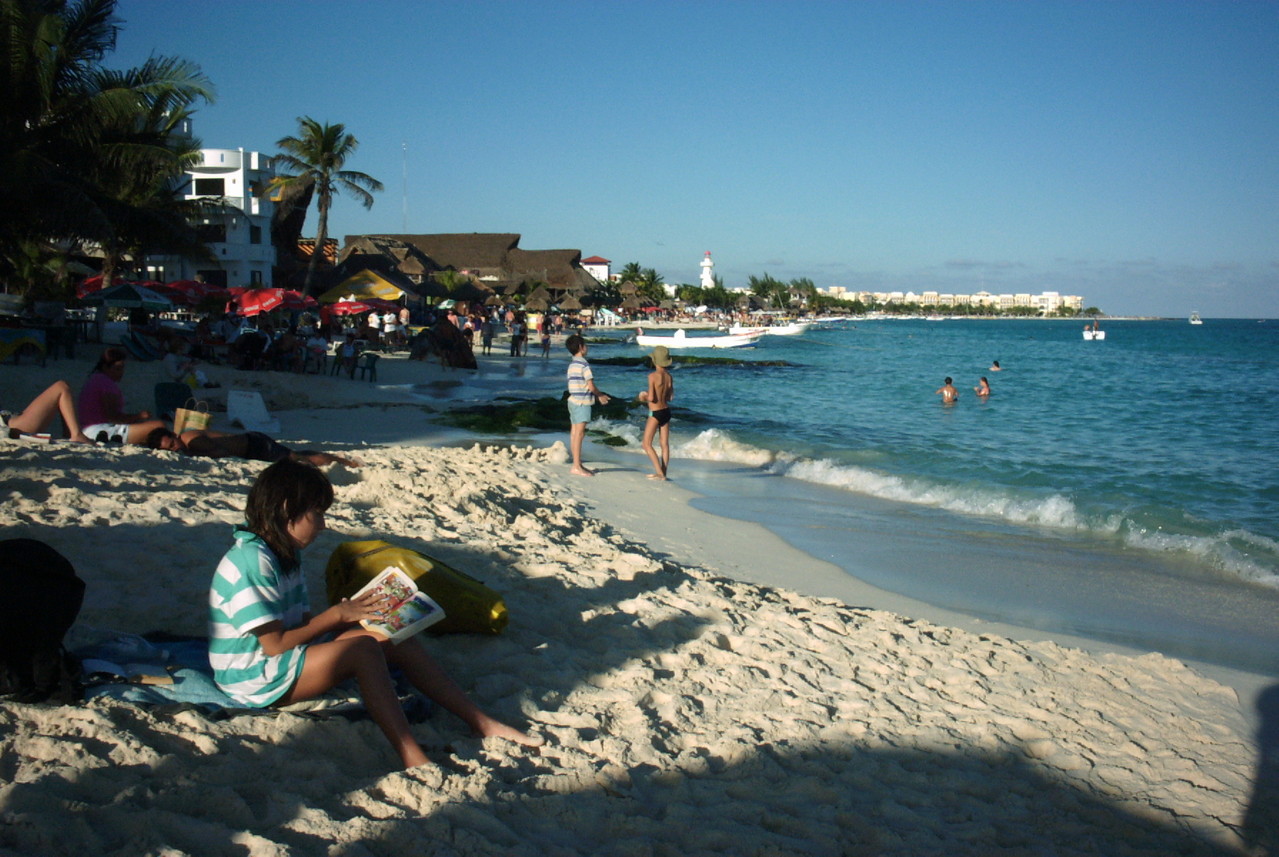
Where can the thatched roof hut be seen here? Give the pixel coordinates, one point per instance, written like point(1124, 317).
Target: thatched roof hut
point(495, 259)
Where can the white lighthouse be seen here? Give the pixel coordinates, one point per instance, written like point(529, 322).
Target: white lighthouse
point(708, 271)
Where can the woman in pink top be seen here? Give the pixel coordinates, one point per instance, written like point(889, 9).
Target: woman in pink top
point(101, 404)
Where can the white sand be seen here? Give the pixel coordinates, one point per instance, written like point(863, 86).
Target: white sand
point(686, 712)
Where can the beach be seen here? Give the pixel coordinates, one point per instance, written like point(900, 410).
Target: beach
point(704, 687)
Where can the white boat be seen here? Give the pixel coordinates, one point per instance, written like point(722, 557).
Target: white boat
point(793, 328)
point(680, 339)
point(1195, 319)
point(1094, 334)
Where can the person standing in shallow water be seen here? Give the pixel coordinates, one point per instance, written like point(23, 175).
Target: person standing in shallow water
point(949, 395)
point(661, 389)
point(582, 394)
point(983, 387)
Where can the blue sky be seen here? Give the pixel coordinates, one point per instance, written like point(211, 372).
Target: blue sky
point(1124, 151)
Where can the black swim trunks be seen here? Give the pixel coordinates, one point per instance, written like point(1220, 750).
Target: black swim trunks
point(663, 416)
point(259, 447)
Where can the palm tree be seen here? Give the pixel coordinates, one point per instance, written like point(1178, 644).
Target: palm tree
point(315, 158)
point(142, 159)
point(65, 124)
point(648, 283)
point(631, 273)
point(774, 291)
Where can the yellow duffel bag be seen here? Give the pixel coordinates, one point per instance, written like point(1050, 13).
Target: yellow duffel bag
point(469, 606)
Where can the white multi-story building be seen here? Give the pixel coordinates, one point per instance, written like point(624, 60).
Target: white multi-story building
point(598, 267)
point(1046, 302)
point(237, 231)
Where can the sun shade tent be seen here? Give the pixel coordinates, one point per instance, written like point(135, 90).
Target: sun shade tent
point(363, 286)
point(129, 296)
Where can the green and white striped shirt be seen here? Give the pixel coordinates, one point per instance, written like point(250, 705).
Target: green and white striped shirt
point(249, 590)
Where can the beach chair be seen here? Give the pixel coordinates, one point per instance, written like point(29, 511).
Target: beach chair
point(246, 409)
point(169, 396)
point(366, 363)
point(149, 345)
point(135, 349)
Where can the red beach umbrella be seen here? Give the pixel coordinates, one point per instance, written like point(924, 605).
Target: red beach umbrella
point(178, 297)
point(256, 301)
point(194, 291)
point(294, 300)
point(90, 284)
point(349, 308)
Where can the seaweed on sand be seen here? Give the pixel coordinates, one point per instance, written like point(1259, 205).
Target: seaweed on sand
point(506, 415)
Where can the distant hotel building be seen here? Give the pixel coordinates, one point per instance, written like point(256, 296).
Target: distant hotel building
point(1045, 302)
point(238, 231)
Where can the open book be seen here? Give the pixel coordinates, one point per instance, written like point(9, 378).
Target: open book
point(97, 670)
point(405, 608)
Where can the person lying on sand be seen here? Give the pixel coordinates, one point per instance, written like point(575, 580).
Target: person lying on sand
point(38, 416)
point(266, 647)
point(251, 445)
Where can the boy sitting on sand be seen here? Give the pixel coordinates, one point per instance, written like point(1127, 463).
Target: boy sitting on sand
point(267, 648)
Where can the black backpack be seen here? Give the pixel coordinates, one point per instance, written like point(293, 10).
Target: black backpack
point(40, 597)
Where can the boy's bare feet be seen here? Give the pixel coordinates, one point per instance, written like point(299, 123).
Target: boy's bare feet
point(490, 728)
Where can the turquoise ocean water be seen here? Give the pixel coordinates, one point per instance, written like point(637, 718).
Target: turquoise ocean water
point(1126, 489)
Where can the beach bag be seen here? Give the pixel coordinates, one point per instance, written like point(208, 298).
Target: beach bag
point(469, 605)
point(193, 415)
point(40, 597)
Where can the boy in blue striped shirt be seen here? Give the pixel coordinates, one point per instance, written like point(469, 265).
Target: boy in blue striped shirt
point(265, 646)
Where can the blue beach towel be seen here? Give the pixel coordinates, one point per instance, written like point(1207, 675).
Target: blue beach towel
point(186, 661)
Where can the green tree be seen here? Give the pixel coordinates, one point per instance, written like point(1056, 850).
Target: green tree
point(315, 158)
point(650, 286)
point(805, 290)
point(73, 137)
point(774, 291)
point(140, 175)
point(631, 273)
point(648, 283)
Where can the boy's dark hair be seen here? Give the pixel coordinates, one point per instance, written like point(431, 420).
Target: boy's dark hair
point(156, 435)
point(574, 344)
point(284, 492)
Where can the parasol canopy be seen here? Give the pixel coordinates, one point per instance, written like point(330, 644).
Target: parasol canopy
point(195, 291)
point(362, 286)
point(130, 296)
point(257, 301)
point(349, 308)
